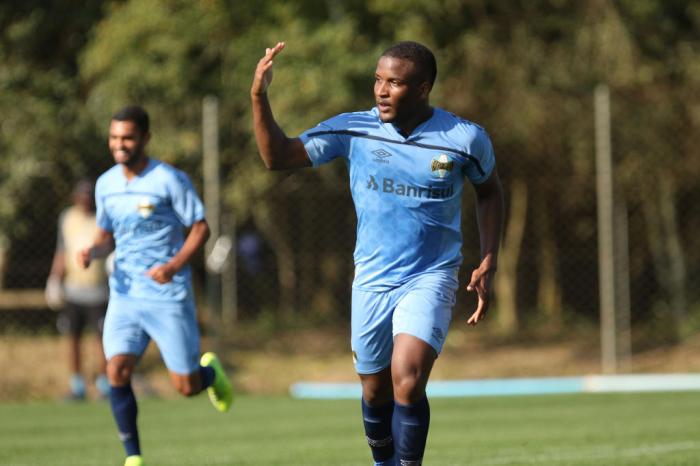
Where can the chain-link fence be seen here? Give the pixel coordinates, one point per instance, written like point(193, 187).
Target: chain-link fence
point(294, 257)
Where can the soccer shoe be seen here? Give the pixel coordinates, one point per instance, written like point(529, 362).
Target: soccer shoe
point(220, 392)
point(134, 460)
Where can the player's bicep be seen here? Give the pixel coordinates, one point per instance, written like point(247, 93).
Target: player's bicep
point(297, 157)
point(185, 202)
point(490, 187)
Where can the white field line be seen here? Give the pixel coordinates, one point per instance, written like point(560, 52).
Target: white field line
point(605, 453)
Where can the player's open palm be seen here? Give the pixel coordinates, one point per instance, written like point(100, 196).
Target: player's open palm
point(263, 72)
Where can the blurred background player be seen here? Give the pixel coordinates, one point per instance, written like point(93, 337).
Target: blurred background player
point(144, 207)
point(408, 163)
point(80, 295)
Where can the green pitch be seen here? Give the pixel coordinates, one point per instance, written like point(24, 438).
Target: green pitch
point(659, 429)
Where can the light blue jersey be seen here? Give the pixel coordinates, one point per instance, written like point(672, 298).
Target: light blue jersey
point(147, 216)
point(407, 191)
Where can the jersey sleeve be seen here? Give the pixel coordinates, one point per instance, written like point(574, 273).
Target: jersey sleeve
point(325, 142)
point(481, 149)
point(185, 202)
point(101, 215)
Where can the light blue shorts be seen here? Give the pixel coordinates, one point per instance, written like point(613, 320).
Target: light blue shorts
point(421, 307)
point(131, 323)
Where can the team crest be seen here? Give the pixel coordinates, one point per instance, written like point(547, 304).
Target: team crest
point(441, 166)
point(145, 207)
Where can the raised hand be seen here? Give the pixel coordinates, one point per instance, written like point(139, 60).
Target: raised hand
point(263, 72)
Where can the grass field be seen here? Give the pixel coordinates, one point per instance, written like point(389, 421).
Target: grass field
point(651, 429)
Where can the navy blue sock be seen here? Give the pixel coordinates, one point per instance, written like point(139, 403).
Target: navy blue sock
point(378, 430)
point(207, 373)
point(410, 428)
point(124, 411)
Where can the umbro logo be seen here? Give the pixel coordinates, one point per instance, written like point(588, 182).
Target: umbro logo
point(381, 155)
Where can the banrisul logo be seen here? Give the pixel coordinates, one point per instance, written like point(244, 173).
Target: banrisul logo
point(391, 186)
point(441, 166)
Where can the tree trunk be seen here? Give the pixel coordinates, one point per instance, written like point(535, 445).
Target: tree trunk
point(549, 296)
point(665, 244)
point(506, 279)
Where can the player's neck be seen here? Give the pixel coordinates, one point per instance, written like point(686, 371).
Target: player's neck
point(405, 128)
point(132, 170)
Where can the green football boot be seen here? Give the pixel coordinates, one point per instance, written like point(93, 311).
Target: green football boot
point(134, 460)
point(220, 391)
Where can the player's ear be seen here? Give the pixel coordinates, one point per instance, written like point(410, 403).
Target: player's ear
point(425, 89)
point(146, 138)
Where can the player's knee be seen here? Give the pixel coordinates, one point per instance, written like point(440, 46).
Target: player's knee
point(409, 387)
point(377, 389)
point(118, 373)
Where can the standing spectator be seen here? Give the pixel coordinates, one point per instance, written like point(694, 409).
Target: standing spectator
point(80, 295)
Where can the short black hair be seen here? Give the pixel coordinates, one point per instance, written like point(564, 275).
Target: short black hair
point(419, 54)
point(136, 114)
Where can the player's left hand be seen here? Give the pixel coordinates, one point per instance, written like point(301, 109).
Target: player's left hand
point(162, 273)
point(481, 283)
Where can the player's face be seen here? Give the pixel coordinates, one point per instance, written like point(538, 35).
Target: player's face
point(399, 92)
point(126, 143)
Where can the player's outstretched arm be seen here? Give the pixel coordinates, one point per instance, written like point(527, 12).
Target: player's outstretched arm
point(489, 211)
point(277, 151)
point(198, 235)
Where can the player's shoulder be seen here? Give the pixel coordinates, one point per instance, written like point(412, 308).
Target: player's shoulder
point(170, 178)
point(109, 178)
point(460, 129)
point(360, 121)
point(167, 172)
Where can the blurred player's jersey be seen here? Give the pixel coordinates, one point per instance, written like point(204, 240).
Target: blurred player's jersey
point(147, 216)
point(407, 191)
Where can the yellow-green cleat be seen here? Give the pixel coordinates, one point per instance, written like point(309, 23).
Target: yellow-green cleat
point(220, 392)
point(134, 460)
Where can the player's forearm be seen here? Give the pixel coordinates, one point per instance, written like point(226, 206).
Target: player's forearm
point(102, 245)
point(490, 219)
point(273, 144)
point(199, 233)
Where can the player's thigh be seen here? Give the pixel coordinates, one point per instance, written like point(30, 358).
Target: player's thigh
point(371, 337)
point(425, 309)
point(173, 326)
point(123, 332)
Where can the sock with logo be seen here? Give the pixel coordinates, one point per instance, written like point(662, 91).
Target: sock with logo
point(124, 410)
point(207, 374)
point(377, 421)
point(410, 429)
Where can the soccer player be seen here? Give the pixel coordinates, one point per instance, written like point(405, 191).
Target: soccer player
point(407, 164)
point(143, 208)
point(79, 294)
